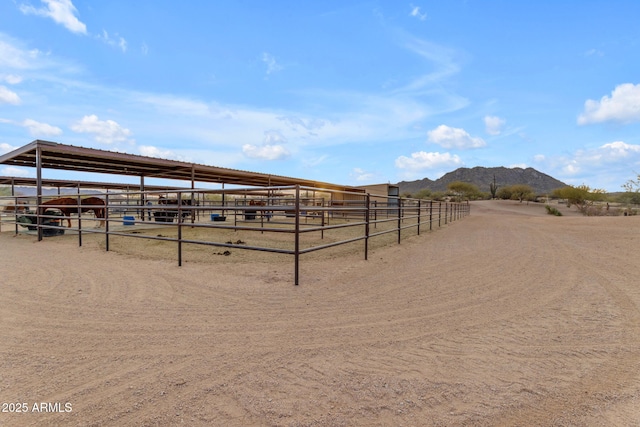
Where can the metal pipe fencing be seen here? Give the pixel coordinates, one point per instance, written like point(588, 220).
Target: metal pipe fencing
point(354, 217)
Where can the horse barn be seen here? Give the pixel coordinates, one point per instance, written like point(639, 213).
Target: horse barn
point(300, 216)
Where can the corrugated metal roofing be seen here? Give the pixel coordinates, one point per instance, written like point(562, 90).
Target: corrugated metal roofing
point(91, 160)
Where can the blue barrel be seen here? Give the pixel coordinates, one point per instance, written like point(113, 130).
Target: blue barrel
point(128, 220)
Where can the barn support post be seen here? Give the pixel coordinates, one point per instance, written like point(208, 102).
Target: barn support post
point(297, 237)
point(79, 218)
point(193, 186)
point(439, 214)
point(106, 222)
point(143, 197)
point(39, 189)
point(222, 213)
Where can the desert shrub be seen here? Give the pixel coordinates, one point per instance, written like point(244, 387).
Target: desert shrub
point(422, 194)
point(553, 211)
point(518, 192)
point(583, 197)
point(461, 191)
point(504, 193)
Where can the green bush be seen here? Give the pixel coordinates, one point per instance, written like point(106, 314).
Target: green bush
point(553, 211)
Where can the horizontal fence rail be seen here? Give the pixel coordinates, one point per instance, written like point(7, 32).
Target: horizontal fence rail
point(293, 211)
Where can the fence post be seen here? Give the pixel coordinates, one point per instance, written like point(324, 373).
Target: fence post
point(419, 217)
point(179, 201)
point(366, 227)
point(297, 237)
point(399, 217)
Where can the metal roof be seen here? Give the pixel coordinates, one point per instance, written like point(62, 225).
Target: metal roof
point(80, 159)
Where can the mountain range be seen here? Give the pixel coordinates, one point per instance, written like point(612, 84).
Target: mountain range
point(483, 177)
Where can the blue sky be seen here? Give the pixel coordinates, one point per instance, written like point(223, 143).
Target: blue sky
point(340, 91)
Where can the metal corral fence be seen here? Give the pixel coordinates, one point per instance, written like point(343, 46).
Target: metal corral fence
point(294, 211)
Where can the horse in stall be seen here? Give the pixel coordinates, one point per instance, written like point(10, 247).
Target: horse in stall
point(21, 207)
point(68, 205)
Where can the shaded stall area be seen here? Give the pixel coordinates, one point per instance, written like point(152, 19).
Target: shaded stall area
point(303, 216)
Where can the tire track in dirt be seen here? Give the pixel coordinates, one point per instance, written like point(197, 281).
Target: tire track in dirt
point(488, 321)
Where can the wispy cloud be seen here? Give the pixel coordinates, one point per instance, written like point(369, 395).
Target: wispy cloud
point(5, 148)
point(361, 175)
point(265, 152)
point(8, 97)
point(271, 63)
point(115, 40)
point(416, 13)
point(272, 147)
point(449, 137)
point(443, 60)
point(15, 171)
point(12, 79)
point(62, 12)
point(494, 125)
point(622, 106)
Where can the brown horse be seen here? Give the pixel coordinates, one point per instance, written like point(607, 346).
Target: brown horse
point(19, 208)
point(68, 205)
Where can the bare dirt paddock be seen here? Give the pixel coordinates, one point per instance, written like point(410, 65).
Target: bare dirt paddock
point(507, 317)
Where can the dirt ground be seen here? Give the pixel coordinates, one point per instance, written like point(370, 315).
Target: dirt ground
point(509, 317)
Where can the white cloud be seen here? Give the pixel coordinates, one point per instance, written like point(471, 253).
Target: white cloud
point(362, 175)
point(12, 79)
point(151, 151)
point(539, 158)
point(116, 41)
point(442, 58)
point(594, 52)
point(8, 97)
point(5, 148)
point(415, 12)
point(14, 171)
point(106, 132)
point(265, 151)
point(272, 64)
point(272, 137)
point(61, 11)
point(37, 129)
point(423, 160)
point(618, 150)
point(449, 137)
point(15, 57)
point(623, 106)
point(606, 159)
point(494, 124)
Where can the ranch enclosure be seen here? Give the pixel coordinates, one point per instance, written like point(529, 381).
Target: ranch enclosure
point(202, 225)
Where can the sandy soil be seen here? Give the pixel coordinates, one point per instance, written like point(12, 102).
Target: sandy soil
point(509, 317)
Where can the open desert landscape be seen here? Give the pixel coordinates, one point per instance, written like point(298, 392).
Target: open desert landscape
point(508, 317)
